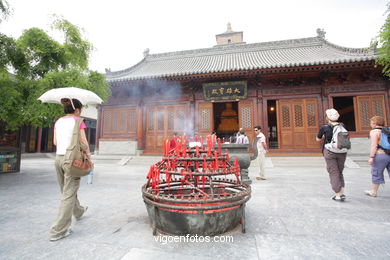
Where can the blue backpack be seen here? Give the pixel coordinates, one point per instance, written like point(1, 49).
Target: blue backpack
point(385, 139)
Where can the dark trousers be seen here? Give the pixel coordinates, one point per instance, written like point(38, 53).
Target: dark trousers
point(335, 166)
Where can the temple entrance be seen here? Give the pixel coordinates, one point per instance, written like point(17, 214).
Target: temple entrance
point(272, 124)
point(297, 123)
point(226, 119)
point(345, 107)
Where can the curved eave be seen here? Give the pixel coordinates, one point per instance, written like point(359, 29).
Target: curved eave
point(278, 66)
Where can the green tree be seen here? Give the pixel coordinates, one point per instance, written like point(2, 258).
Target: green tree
point(10, 101)
point(384, 42)
point(40, 63)
point(4, 10)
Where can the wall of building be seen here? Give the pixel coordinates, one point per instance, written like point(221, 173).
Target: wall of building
point(159, 102)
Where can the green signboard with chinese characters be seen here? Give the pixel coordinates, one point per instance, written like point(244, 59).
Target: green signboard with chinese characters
point(225, 90)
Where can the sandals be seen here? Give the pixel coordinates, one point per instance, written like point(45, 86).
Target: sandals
point(339, 198)
point(369, 193)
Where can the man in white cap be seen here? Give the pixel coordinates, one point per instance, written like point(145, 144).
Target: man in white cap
point(334, 160)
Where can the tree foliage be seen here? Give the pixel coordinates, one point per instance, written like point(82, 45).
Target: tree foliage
point(40, 63)
point(10, 101)
point(384, 42)
point(4, 10)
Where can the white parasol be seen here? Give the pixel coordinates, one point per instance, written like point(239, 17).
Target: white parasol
point(86, 97)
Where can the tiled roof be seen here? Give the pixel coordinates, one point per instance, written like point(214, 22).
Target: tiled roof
point(238, 57)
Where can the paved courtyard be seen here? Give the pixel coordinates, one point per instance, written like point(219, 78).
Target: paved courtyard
point(290, 215)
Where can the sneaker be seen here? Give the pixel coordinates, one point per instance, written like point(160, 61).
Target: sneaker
point(85, 210)
point(369, 193)
point(66, 234)
point(343, 197)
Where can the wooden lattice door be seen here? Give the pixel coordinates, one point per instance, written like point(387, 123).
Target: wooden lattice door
point(297, 122)
point(367, 107)
point(162, 122)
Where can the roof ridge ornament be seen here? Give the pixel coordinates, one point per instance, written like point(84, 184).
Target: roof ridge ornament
point(146, 52)
point(229, 28)
point(374, 45)
point(321, 33)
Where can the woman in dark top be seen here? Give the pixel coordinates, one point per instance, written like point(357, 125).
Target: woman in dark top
point(334, 161)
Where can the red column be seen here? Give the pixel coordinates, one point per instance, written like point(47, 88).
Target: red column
point(39, 140)
point(98, 126)
point(140, 126)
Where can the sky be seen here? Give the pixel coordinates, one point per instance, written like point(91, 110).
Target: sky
point(120, 30)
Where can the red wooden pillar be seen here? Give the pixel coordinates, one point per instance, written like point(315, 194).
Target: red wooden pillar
point(261, 110)
point(98, 127)
point(39, 139)
point(140, 126)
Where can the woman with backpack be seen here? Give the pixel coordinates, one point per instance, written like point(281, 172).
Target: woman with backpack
point(379, 159)
point(334, 158)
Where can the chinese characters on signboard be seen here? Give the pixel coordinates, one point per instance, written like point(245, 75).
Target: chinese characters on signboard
point(225, 90)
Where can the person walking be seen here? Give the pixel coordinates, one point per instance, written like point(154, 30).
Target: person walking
point(69, 205)
point(261, 151)
point(334, 161)
point(379, 159)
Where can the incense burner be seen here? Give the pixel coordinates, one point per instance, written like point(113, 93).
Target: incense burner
point(195, 191)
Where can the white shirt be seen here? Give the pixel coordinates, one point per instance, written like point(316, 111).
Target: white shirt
point(260, 147)
point(64, 131)
point(242, 139)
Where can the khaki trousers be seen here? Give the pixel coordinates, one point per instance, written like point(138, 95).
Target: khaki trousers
point(335, 166)
point(69, 205)
point(261, 159)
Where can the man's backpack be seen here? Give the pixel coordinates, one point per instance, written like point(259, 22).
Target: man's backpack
point(385, 142)
point(340, 142)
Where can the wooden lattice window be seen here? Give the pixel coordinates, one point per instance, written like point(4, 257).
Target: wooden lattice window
point(298, 115)
point(180, 120)
point(123, 121)
point(377, 106)
point(246, 116)
point(171, 120)
point(367, 107)
point(118, 122)
point(106, 122)
point(132, 120)
point(311, 116)
point(115, 121)
point(205, 118)
point(151, 121)
point(364, 110)
point(285, 116)
point(160, 120)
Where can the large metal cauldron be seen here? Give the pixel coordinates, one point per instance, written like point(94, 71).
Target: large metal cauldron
point(215, 215)
point(196, 191)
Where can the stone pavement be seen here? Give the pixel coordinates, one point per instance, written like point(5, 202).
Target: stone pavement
point(290, 216)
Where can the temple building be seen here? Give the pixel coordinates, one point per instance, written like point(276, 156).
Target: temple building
point(284, 86)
